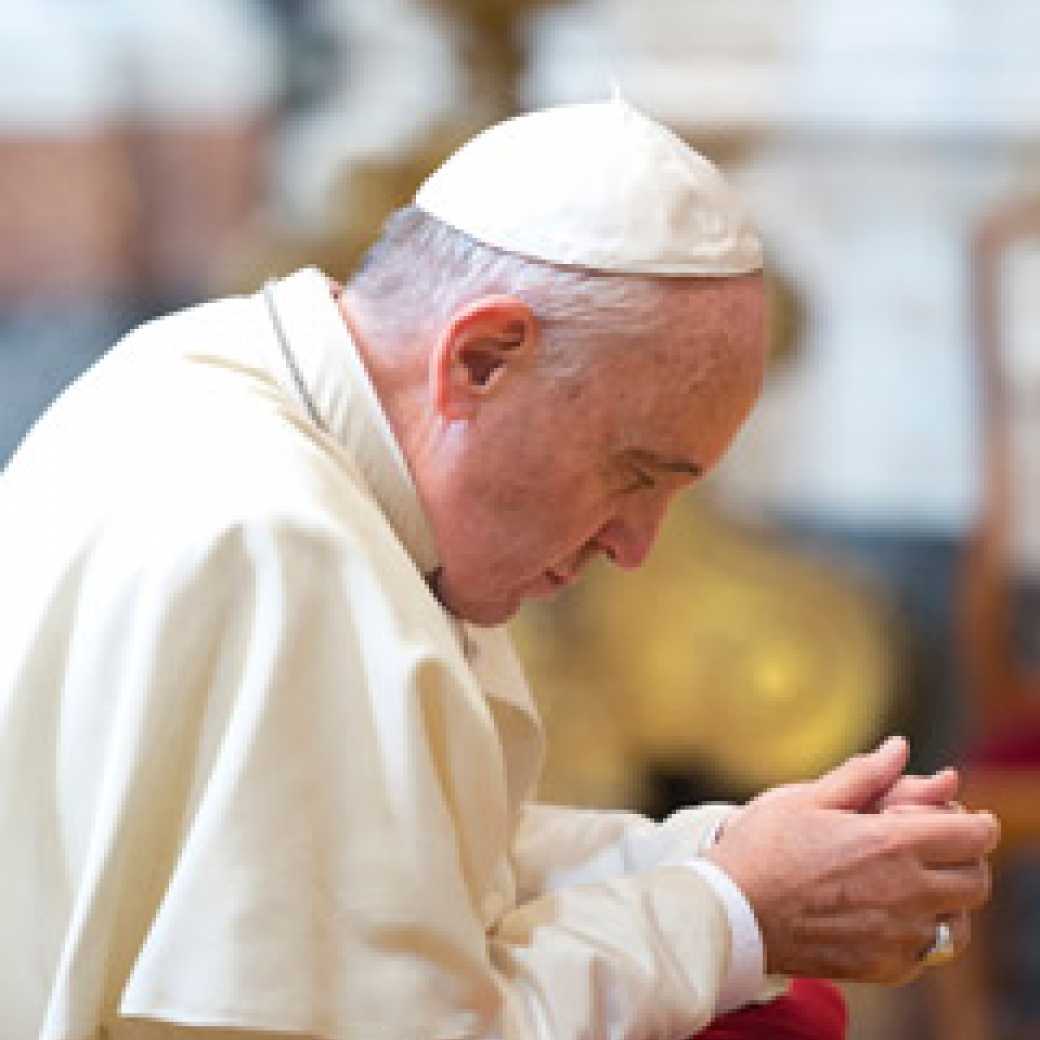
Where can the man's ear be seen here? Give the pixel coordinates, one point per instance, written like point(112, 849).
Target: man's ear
point(481, 344)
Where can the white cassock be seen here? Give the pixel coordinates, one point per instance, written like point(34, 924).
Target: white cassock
point(252, 775)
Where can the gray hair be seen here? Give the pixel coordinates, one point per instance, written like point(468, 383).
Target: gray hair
point(421, 271)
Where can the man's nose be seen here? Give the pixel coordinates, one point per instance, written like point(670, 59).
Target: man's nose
point(627, 540)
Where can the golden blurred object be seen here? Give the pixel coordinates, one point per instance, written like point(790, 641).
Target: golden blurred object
point(727, 652)
point(362, 197)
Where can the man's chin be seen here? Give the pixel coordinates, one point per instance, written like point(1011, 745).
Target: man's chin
point(477, 611)
point(486, 615)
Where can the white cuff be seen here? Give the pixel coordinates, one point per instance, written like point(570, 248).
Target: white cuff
point(745, 975)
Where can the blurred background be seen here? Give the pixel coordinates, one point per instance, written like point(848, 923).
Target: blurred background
point(868, 558)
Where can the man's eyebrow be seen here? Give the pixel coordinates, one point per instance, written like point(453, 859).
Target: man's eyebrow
point(653, 460)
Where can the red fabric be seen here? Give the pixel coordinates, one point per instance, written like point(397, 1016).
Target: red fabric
point(1014, 749)
point(811, 1010)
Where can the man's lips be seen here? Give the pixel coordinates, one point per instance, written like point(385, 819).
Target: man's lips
point(561, 580)
point(549, 583)
point(553, 579)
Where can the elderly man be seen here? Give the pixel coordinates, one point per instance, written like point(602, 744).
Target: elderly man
point(266, 763)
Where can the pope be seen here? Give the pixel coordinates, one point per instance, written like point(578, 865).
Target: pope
point(267, 761)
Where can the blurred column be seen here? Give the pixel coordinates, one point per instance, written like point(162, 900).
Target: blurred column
point(68, 208)
point(203, 79)
point(131, 141)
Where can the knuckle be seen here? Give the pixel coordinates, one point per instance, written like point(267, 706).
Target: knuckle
point(987, 831)
point(984, 888)
point(974, 891)
point(995, 831)
point(980, 837)
point(887, 841)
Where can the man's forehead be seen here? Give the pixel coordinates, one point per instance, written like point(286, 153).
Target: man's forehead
point(721, 321)
point(710, 295)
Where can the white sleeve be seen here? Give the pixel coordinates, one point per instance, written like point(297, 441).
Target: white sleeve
point(745, 973)
point(638, 956)
point(558, 846)
point(583, 846)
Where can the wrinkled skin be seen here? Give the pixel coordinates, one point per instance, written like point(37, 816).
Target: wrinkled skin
point(848, 874)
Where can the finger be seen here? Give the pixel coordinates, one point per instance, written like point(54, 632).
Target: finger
point(907, 808)
point(859, 781)
point(944, 838)
point(934, 790)
point(958, 889)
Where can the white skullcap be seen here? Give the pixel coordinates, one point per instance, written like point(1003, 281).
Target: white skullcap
point(597, 186)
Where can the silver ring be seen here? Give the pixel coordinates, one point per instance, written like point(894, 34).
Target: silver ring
point(942, 949)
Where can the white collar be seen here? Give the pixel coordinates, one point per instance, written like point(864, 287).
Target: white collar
point(335, 381)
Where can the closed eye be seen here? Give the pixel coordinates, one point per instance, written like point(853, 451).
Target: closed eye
point(641, 482)
point(648, 469)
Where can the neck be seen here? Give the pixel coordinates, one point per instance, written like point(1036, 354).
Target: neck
point(399, 371)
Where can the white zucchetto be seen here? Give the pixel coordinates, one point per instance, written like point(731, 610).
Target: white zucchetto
point(598, 186)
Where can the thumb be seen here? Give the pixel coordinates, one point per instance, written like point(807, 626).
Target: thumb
point(862, 779)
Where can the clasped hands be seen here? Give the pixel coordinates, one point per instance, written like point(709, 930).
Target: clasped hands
point(849, 874)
